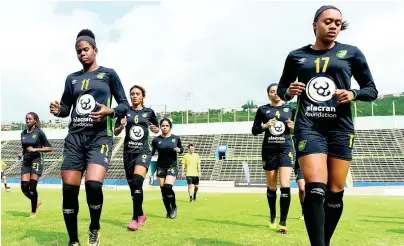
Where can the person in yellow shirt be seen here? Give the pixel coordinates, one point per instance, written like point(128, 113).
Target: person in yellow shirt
point(192, 163)
point(3, 176)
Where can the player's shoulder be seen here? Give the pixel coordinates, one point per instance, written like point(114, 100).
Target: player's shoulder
point(39, 131)
point(299, 52)
point(346, 51)
point(263, 108)
point(289, 107)
point(148, 110)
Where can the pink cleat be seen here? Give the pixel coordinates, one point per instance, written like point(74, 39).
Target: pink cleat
point(141, 219)
point(133, 225)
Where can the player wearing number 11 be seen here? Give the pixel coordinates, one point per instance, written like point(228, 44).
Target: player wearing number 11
point(323, 124)
point(88, 144)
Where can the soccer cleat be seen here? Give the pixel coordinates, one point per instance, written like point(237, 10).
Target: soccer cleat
point(94, 238)
point(73, 244)
point(133, 225)
point(32, 216)
point(173, 213)
point(191, 200)
point(141, 219)
point(283, 229)
point(8, 189)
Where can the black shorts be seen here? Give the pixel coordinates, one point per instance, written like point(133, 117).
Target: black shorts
point(335, 144)
point(274, 159)
point(2, 174)
point(193, 180)
point(298, 171)
point(163, 172)
point(81, 150)
point(130, 161)
point(34, 166)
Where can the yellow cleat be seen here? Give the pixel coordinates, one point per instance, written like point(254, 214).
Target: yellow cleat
point(283, 229)
point(272, 225)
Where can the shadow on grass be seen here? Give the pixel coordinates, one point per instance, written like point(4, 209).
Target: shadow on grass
point(382, 217)
point(212, 241)
point(396, 231)
point(384, 221)
point(18, 213)
point(231, 222)
point(47, 237)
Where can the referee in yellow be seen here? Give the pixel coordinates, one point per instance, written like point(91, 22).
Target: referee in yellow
point(193, 164)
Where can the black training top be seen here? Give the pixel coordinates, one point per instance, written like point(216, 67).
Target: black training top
point(137, 138)
point(279, 135)
point(34, 139)
point(324, 71)
point(83, 91)
point(167, 157)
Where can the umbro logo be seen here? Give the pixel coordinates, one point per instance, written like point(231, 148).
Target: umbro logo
point(301, 60)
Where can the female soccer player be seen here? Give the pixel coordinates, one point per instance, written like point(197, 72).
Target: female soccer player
point(323, 125)
point(88, 144)
point(137, 151)
point(34, 144)
point(278, 152)
point(168, 146)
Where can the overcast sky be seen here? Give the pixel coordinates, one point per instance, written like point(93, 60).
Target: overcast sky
point(222, 52)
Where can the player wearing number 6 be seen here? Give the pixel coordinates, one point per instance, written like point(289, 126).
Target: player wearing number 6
point(88, 144)
point(34, 144)
point(278, 152)
point(323, 125)
point(137, 149)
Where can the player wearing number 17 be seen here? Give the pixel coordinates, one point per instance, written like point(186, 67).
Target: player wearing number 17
point(323, 124)
point(88, 144)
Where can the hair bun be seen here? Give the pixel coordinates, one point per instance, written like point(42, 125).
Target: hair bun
point(86, 32)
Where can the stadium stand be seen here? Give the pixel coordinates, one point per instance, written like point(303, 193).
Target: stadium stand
point(378, 156)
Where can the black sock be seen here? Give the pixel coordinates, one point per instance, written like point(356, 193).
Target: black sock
point(284, 204)
point(271, 197)
point(34, 194)
point(71, 209)
point(170, 195)
point(165, 199)
point(95, 199)
point(195, 191)
point(131, 194)
point(333, 207)
point(5, 185)
point(313, 208)
point(190, 197)
point(137, 195)
point(301, 198)
point(25, 189)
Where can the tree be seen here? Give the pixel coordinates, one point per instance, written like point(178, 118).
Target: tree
point(248, 105)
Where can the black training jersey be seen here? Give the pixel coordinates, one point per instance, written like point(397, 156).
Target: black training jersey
point(167, 157)
point(324, 71)
point(34, 139)
point(137, 138)
point(279, 134)
point(82, 91)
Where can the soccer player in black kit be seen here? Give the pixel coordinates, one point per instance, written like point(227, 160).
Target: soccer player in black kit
point(137, 149)
point(278, 152)
point(88, 144)
point(323, 124)
point(34, 144)
point(168, 147)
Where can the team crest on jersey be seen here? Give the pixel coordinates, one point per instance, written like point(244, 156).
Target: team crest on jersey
point(173, 140)
point(100, 75)
point(302, 145)
point(341, 53)
point(286, 110)
point(144, 115)
point(33, 136)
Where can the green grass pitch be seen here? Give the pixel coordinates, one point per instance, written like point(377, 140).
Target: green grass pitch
point(215, 219)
